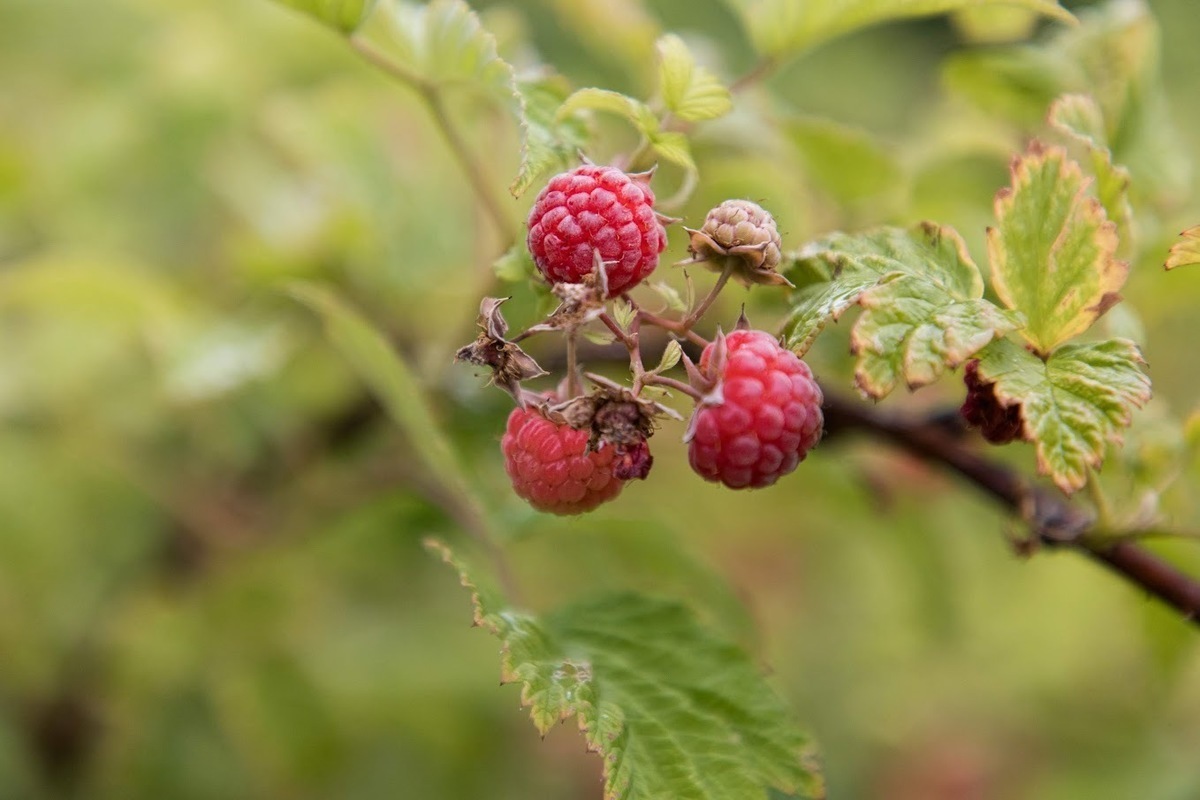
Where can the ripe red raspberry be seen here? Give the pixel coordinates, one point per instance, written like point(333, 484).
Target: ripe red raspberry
point(593, 208)
point(999, 424)
point(768, 419)
point(549, 467)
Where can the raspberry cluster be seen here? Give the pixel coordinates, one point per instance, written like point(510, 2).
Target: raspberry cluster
point(594, 209)
point(767, 418)
point(594, 235)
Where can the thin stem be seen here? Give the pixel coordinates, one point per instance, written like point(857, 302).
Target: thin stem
point(573, 388)
point(756, 74)
point(431, 94)
point(699, 311)
point(621, 335)
point(1053, 521)
point(651, 379)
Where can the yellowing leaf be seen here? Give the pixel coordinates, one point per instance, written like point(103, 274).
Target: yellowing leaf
point(1053, 250)
point(780, 28)
point(673, 709)
point(1079, 118)
point(689, 91)
point(1185, 253)
point(1072, 403)
point(922, 300)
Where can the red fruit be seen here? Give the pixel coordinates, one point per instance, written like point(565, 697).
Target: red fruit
point(591, 209)
point(550, 468)
point(768, 419)
point(999, 424)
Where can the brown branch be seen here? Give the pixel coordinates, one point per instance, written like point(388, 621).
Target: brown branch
point(1052, 520)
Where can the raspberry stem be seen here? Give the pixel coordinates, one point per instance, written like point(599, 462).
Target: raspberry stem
point(573, 387)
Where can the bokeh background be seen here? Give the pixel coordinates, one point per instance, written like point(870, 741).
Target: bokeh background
point(212, 583)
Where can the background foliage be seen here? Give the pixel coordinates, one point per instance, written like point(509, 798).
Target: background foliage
point(212, 579)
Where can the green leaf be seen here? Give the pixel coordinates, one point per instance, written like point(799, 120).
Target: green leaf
point(674, 147)
point(922, 300)
point(1187, 252)
point(780, 28)
point(392, 381)
point(341, 15)
point(670, 295)
point(1052, 251)
point(845, 161)
point(1072, 403)
point(439, 44)
point(673, 710)
point(670, 357)
point(1079, 118)
point(610, 102)
point(1016, 83)
point(547, 141)
point(690, 91)
point(515, 265)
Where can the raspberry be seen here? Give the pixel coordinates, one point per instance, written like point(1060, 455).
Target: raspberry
point(999, 424)
point(550, 468)
point(768, 418)
point(591, 209)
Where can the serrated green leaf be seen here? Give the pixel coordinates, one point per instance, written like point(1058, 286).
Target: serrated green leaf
point(515, 265)
point(623, 314)
point(780, 28)
point(547, 141)
point(690, 91)
point(439, 44)
point(1185, 253)
point(672, 709)
point(610, 102)
point(670, 357)
point(845, 161)
point(1053, 250)
point(1079, 118)
point(601, 338)
point(1072, 403)
point(344, 16)
point(922, 299)
point(391, 380)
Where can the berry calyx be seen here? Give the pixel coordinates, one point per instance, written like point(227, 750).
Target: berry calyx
point(596, 209)
point(999, 424)
point(761, 418)
point(551, 467)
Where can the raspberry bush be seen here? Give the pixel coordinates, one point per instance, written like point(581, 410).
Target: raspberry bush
point(742, 359)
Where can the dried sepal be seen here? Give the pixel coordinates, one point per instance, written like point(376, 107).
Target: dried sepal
point(508, 362)
point(579, 303)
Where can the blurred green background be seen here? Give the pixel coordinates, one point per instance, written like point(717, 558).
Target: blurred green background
point(212, 583)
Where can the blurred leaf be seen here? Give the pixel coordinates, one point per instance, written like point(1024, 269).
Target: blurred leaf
point(223, 357)
point(690, 91)
point(610, 102)
point(515, 265)
point(342, 15)
point(1016, 83)
point(391, 379)
point(670, 295)
point(652, 690)
point(618, 32)
point(1079, 118)
point(1053, 251)
point(1072, 403)
point(993, 24)
point(845, 161)
point(674, 147)
point(1185, 253)
point(922, 297)
point(439, 44)
point(781, 28)
point(547, 141)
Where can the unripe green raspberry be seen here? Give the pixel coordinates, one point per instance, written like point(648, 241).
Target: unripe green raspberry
point(745, 233)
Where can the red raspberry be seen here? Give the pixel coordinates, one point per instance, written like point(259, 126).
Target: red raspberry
point(591, 209)
point(549, 467)
point(999, 424)
point(769, 417)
